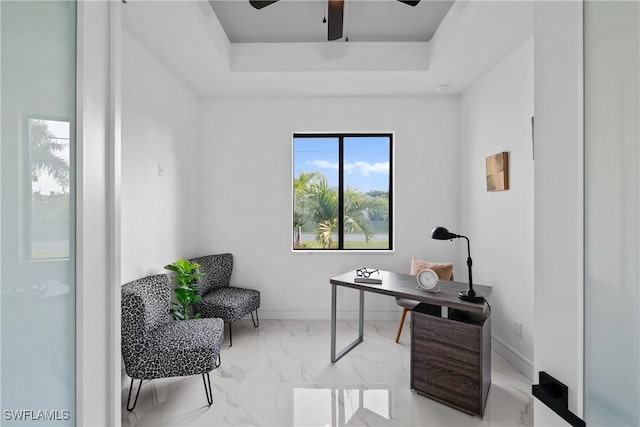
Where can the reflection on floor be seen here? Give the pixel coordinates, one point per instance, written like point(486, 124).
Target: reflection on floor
point(280, 375)
point(341, 406)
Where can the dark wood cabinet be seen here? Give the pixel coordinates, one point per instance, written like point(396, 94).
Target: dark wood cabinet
point(451, 357)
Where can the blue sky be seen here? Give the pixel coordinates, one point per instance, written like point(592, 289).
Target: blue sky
point(366, 160)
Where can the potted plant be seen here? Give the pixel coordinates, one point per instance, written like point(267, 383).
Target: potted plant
point(186, 290)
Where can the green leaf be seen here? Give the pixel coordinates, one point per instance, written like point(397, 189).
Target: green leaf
point(182, 294)
point(186, 290)
point(177, 315)
point(171, 267)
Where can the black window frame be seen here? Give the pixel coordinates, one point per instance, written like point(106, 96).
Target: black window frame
point(341, 137)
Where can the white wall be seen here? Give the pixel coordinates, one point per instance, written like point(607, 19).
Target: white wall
point(558, 242)
point(159, 126)
point(496, 116)
point(246, 192)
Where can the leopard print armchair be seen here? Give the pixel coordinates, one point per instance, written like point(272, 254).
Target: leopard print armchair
point(219, 299)
point(155, 346)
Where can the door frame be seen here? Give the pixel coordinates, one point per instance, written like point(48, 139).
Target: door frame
point(98, 381)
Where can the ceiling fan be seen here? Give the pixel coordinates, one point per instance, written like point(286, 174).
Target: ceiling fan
point(334, 17)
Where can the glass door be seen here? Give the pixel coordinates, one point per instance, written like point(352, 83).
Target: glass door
point(612, 213)
point(37, 255)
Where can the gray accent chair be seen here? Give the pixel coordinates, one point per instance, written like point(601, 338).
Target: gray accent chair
point(219, 299)
point(156, 346)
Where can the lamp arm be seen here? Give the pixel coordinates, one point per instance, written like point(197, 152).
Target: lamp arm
point(469, 263)
point(468, 246)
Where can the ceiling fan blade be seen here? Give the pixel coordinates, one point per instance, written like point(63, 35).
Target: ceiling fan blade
point(410, 2)
point(334, 19)
point(259, 4)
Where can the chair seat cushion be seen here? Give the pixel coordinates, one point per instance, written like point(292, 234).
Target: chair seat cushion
point(229, 303)
point(180, 348)
point(407, 303)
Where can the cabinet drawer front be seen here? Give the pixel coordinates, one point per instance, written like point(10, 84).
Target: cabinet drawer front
point(468, 403)
point(430, 328)
point(437, 351)
point(458, 386)
point(425, 363)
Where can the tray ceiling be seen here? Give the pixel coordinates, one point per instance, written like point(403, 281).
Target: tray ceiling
point(189, 39)
point(297, 21)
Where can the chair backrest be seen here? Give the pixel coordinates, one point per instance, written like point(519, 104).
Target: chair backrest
point(443, 270)
point(217, 271)
point(145, 306)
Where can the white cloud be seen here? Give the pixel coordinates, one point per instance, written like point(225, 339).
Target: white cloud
point(323, 164)
point(366, 169)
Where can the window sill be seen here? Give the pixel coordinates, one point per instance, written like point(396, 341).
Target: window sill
point(343, 252)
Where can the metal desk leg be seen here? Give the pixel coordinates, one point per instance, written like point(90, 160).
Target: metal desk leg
point(334, 356)
point(361, 325)
point(333, 323)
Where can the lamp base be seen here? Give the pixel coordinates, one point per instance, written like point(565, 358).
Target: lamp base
point(470, 298)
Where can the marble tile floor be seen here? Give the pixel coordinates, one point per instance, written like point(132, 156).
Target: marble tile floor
point(280, 374)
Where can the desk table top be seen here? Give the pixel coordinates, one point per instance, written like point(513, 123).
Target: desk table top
point(405, 286)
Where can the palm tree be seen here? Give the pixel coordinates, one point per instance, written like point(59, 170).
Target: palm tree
point(317, 202)
point(43, 159)
point(302, 192)
point(323, 209)
point(358, 209)
point(324, 233)
point(379, 205)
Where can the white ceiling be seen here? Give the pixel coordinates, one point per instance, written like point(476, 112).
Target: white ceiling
point(189, 39)
point(298, 21)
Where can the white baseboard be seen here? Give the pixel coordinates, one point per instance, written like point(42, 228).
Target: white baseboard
point(326, 315)
point(511, 355)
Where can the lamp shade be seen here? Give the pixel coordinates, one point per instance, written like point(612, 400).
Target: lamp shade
point(441, 233)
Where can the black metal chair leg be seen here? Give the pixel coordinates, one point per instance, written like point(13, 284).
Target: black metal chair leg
point(129, 398)
point(256, 321)
point(217, 365)
point(207, 387)
point(230, 341)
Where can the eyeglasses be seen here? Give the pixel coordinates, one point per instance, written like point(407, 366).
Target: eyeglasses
point(365, 272)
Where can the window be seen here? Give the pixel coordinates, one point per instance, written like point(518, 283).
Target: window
point(342, 192)
point(49, 227)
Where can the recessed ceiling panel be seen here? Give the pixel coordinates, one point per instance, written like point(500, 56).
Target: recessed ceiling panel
point(292, 21)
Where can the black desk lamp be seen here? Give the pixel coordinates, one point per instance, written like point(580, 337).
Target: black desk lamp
point(441, 233)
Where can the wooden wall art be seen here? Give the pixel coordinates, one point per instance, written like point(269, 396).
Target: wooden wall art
point(498, 172)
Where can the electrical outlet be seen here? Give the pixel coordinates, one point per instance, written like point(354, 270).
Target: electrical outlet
point(160, 169)
point(517, 328)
